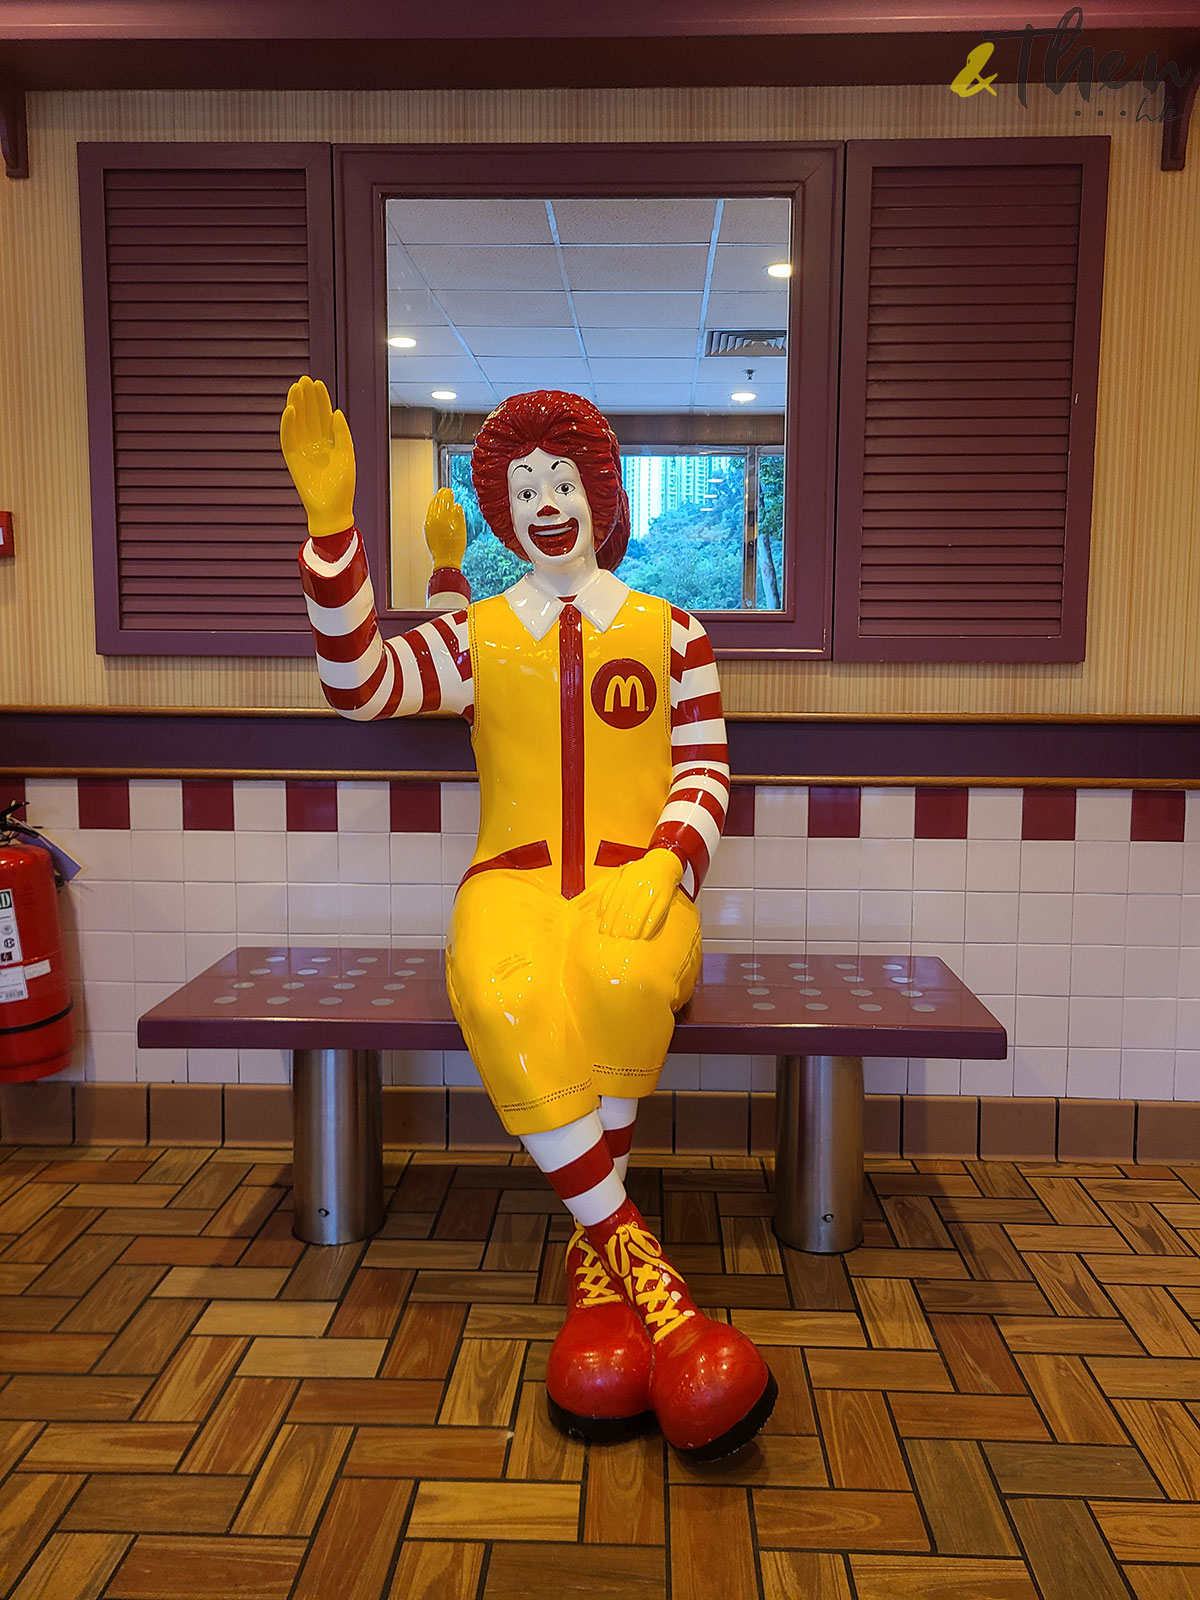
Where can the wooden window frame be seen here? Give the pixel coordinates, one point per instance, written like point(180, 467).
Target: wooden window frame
point(808, 173)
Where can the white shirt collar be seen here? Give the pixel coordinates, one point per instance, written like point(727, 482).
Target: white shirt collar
point(538, 607)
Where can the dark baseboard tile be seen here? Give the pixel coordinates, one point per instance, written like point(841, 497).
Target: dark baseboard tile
point(699, 1123)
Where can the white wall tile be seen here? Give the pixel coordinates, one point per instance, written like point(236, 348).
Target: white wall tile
point(1040, 1071)
point(418, 857)
point(733, 865)
point(886, 864)
point(987, 1077)
point(264, 1066)
point(312, 909)
point(161, 1066)
point(460, 808)
point(725, 1072)
point(940, 917)
point(208, 856)
point(209, 908)
point(159, 957)
point(990, 967)
point(994, 814)
point(1093, 1074)
point(106, 957)
point(885, 917)
point(365, 807)
point(1047, 866)
point(155, 803)
point(1041, 1020)
point(417, 909)
point(1097, 969)
point(1095, 1022)
point(991, 917)
point(1147, 1074)
point(158, 856)
point(1101, 867)
point(53, 803)
point(1189, 928)
point(212, 1066)
point(832, 916)
point(780, 862)
point(1102, 813)
point(1153, 919)
point(1187, 1025)
point(260, 857)
point(1155, 867)
point(103, 853)
point(364, 909)
point(1045, 919)
point(887, 813)
point(260, 805)
point(781, 809)
point(680, 1072)
point(993, 864)
point(1152, 970)
point(110, 1057)
point(1044, 969)
point(1098, 918)
point(460, 1071)
point(365, 858)
point(833, 864)
point(1187, 1075)
point(1189, 972)
point(1148, 1024)
point(312, 857)
point(415, 1067)
point(939, 864)
point(729, 913)
point(202, 950)
point(261, 906)
point(933, 1076)
point(157, 907)
point(885, 1074)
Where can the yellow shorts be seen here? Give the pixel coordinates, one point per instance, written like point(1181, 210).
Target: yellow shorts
point(554, 1013)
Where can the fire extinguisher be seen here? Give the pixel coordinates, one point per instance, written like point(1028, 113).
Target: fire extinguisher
point(37, 1028)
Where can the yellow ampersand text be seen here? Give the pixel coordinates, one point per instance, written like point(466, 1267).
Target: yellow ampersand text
point(969, 81)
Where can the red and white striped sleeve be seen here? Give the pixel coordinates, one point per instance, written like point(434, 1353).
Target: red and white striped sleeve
point(692, 819)
point(364, 675)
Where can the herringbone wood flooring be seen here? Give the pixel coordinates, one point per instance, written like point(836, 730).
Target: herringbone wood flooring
point(997, 1397)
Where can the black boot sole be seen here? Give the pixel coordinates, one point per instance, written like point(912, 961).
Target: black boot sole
point(742, 1432)
point(599, 1430)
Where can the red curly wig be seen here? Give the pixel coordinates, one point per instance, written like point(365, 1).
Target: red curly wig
point(562, 425)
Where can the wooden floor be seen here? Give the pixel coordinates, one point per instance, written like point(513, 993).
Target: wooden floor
point(997, 1397)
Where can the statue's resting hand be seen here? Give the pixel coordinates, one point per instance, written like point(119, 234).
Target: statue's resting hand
point(638, 896)
point(319, 452)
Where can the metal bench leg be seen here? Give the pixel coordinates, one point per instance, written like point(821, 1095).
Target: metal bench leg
point(819, 1152)
point(337, 1161)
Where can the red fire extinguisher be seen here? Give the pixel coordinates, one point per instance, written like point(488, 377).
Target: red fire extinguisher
point(37, 1029)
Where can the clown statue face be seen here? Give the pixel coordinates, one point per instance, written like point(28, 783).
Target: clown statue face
point(551, 519)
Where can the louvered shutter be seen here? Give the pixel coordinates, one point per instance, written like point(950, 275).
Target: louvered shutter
point(970, 337)
point(207, 290)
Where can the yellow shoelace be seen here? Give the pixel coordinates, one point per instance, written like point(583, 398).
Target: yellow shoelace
point(591, 1276)
point(635, 1256)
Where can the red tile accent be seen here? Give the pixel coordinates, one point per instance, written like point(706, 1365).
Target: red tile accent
point(11, 791)
point(834, 813)
point(1158, 814)
point(1048, 814)
point(739, 819)
point(941, 814)
point(208, 803)
point(103, 802)
point(311, 806)
point(416, 807)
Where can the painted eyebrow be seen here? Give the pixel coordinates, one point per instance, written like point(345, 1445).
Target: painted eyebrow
point(563, 462)
point(520, 466)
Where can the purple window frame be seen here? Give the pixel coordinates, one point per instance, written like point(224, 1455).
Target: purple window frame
point(809, 174)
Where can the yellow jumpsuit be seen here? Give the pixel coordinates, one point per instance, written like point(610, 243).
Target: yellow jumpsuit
point(572, 737)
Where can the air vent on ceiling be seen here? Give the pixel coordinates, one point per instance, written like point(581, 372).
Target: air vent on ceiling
point(746, 342)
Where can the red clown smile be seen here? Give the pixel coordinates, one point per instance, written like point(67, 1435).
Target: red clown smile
point(555, 540)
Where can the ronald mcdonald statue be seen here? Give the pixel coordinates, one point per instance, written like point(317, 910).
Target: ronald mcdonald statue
point(596, 721)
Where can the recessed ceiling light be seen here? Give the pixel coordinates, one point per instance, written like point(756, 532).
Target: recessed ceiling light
point(743, 397)
point(779, 269)
point(401, 341)
point(443, 394)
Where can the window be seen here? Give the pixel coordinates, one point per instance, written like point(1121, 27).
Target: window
point(637, 276)
point(915, 484)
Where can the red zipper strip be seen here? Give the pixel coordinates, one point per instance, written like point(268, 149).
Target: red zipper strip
point(570, 671)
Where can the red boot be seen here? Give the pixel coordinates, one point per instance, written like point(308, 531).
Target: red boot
point(711, 1390)
point(598, 1371)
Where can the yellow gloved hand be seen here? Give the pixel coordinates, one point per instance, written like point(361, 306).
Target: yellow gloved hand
point(319, 453)
point(446, 530)
point(639, 894)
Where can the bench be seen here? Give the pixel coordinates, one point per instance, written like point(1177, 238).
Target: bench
point(336, 1009)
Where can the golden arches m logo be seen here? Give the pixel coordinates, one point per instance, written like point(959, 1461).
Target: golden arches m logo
point(624, 693)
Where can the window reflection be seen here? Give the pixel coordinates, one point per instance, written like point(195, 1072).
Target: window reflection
point(656, 309)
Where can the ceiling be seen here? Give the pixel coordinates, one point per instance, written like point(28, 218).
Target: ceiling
point(611, 299)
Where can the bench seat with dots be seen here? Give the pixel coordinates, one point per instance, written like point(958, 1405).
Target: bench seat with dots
point(336, 1009)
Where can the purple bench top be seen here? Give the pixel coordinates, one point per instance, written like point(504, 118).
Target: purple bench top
point(325, 998)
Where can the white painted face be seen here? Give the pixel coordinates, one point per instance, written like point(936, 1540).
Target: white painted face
point(550, 513)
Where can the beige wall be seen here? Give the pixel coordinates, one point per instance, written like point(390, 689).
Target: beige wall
point(1144, 616)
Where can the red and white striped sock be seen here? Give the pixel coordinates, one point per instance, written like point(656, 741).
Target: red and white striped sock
point(577, 1161)
point(617, 1117)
